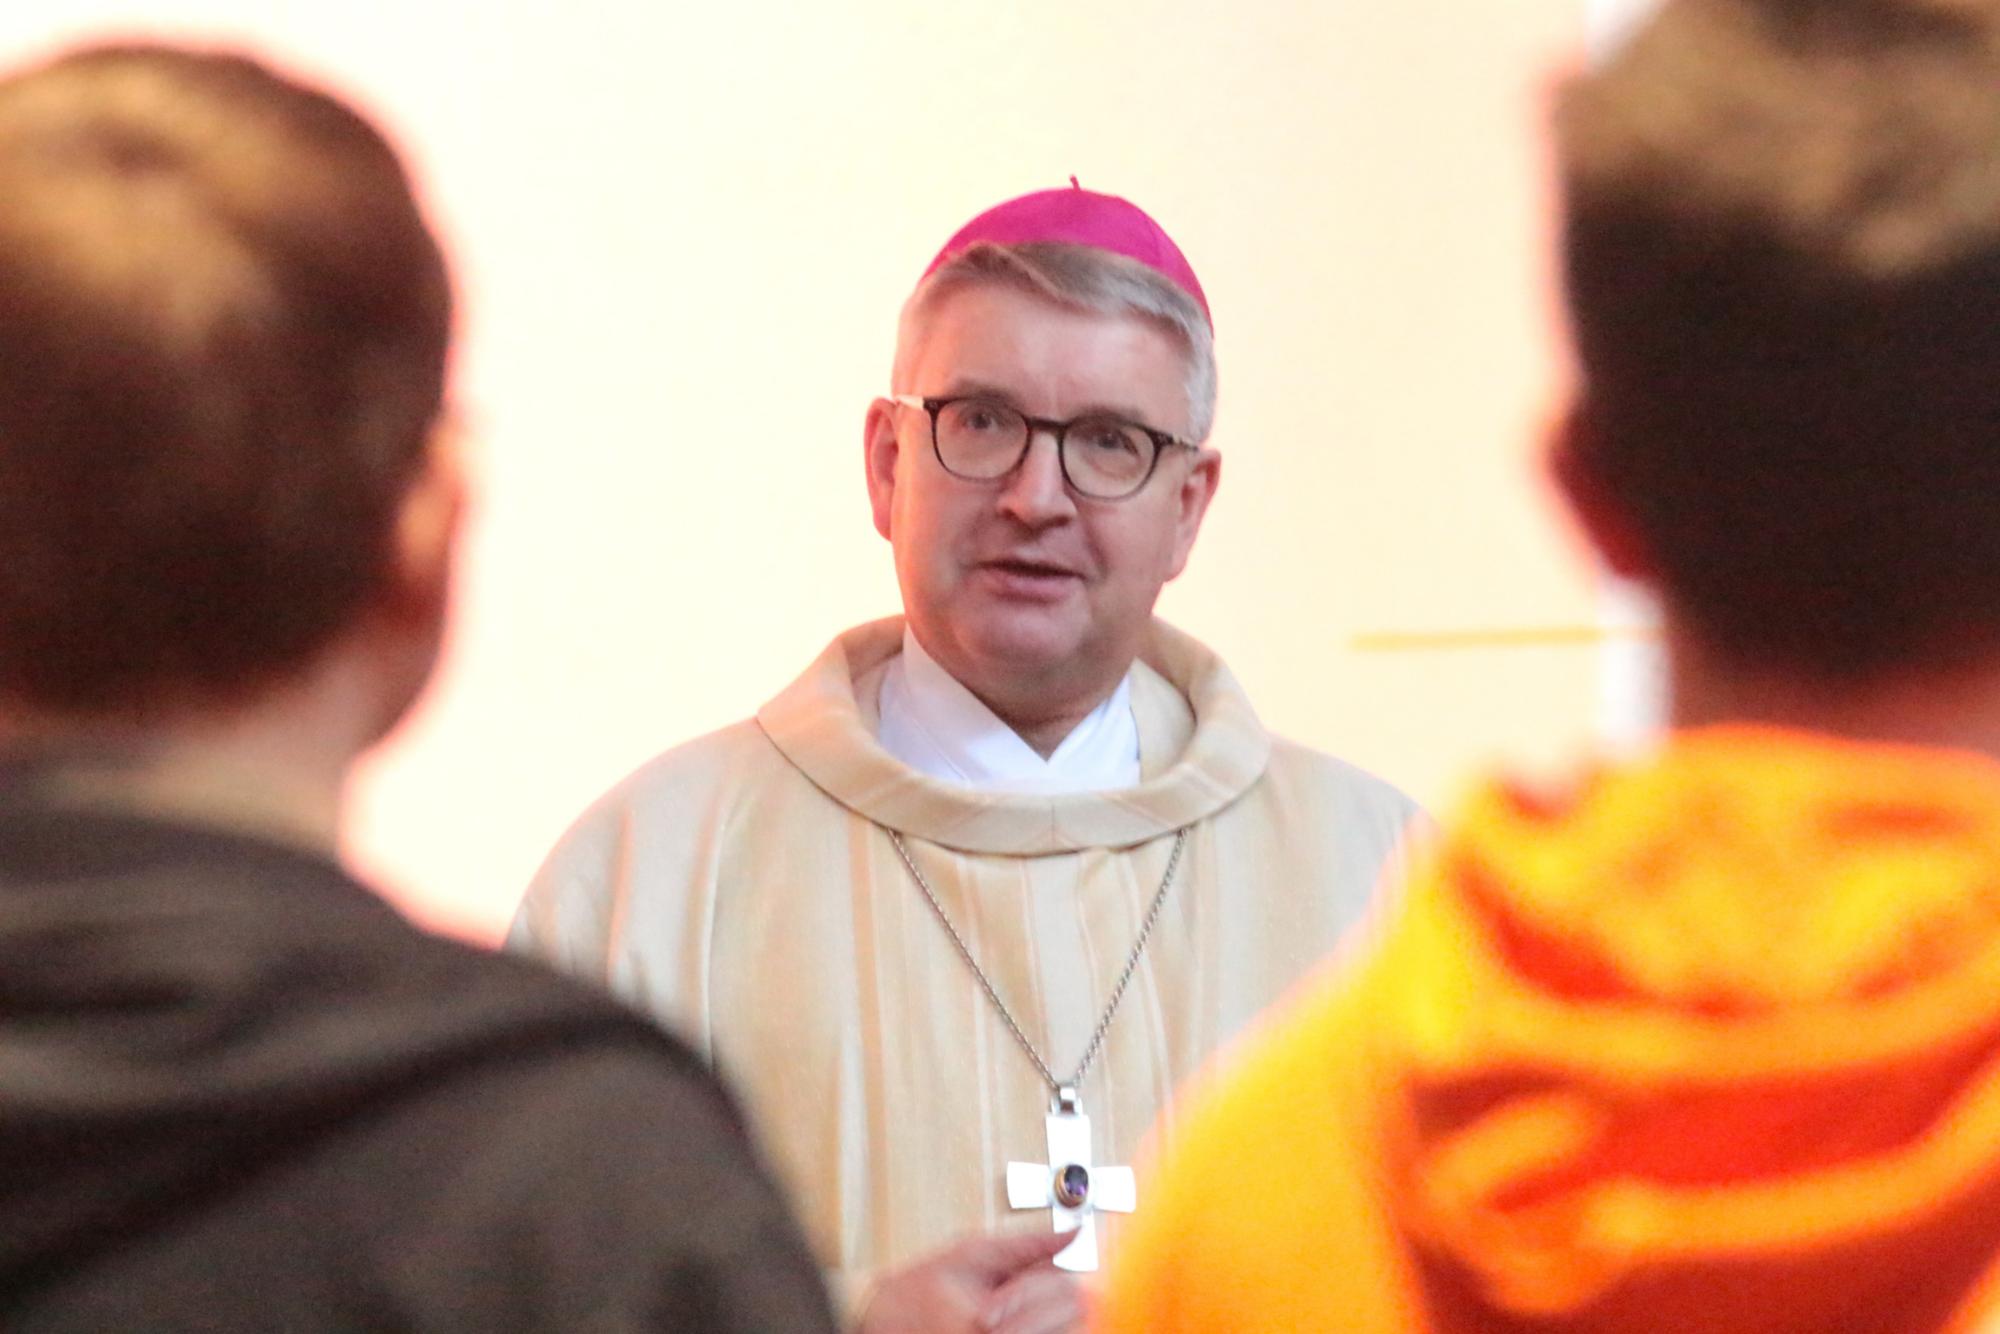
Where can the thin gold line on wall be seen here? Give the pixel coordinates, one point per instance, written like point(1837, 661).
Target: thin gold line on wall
point(1526, 636)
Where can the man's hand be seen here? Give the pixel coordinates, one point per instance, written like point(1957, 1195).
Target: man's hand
point(1038, 1300)
point(983, 1285)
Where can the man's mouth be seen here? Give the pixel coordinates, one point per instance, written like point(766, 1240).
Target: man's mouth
point(1033, 569)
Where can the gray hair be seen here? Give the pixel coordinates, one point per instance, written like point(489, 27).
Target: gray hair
point(1082, 278)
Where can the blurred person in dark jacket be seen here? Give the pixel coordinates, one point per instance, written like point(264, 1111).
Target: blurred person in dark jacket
point(238, 1091)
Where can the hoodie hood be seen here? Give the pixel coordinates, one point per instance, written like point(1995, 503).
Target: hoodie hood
point(1710, 1043)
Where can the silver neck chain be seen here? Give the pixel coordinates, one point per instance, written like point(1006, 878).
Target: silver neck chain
point(1117, 992)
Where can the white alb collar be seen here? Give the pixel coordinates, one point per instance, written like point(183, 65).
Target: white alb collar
point(939, 728)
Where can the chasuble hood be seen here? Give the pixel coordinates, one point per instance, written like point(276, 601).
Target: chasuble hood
point(1200, 748)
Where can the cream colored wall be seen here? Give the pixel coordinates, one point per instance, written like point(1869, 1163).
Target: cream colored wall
point(683, 233)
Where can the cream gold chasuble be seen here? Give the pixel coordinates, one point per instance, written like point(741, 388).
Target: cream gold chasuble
point(744, 888)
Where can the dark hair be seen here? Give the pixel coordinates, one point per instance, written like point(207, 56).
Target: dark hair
point(223, 332)
point(1783, 255)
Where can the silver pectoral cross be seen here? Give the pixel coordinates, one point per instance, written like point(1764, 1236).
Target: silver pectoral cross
point(1070, 1186)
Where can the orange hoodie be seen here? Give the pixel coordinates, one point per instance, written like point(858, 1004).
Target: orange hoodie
point(1709, 1044)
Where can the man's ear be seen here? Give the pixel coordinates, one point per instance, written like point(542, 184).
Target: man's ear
point(428, 521)
point(1605, 522)
point(1192, 497)
point(881, 446)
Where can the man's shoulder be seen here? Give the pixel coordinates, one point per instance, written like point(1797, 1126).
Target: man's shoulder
point(654, 842)
point(582, 1131)
point(469, 1005)
point(738, 753)
point(1329, 778)
point(1303, 1090)
point(690, 782)
point(577, 1045)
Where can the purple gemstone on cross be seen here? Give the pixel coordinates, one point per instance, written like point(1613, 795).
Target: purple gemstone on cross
point(1072, 1186)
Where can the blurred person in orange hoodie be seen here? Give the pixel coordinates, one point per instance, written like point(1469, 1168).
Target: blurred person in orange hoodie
point(1708, 1041)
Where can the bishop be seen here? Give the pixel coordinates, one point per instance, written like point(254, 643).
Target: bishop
point(949, 842)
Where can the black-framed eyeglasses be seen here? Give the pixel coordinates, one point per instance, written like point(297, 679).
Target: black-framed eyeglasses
point(984, 439)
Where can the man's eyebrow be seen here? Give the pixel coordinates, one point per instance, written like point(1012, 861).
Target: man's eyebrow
point(1122, 412)
point(982, 389)
point(961, 388)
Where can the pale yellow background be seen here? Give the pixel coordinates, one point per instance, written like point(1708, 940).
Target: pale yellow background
point(683, 232)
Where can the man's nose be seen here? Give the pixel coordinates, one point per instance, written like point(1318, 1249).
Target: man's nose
point(1034, 493)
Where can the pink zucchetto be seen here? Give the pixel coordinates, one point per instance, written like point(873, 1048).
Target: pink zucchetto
point(1077, 216)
